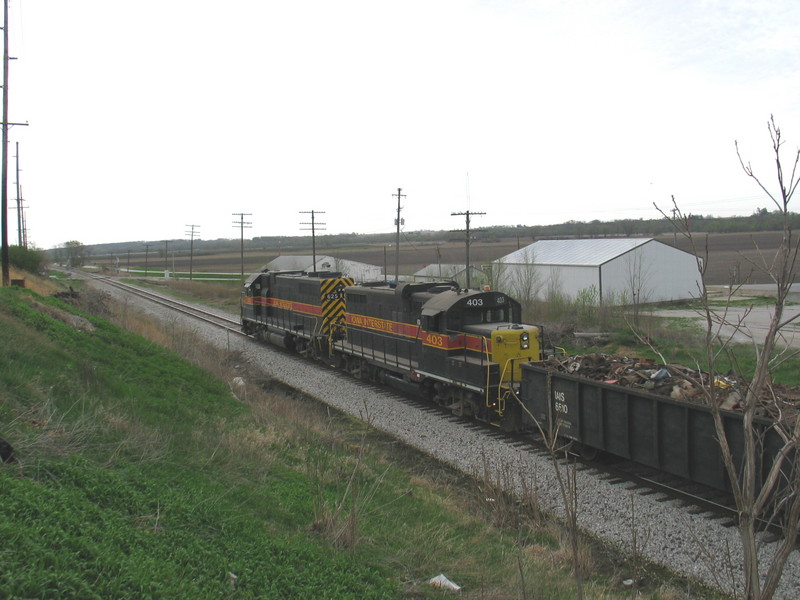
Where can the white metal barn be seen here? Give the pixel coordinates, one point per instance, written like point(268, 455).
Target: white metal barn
point(349, 268)
point(601, 271)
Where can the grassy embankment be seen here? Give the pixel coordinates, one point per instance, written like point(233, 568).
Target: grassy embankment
point(140, 474)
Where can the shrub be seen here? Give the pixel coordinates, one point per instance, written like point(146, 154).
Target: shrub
point(26, 259)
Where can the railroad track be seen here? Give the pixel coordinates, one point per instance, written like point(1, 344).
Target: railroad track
point(195, 312)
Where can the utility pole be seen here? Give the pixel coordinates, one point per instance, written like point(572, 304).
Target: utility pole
point(241, 223)
point(166, 257)
point(314, 227)
point(468, 214)
point(4, 178)
point(190, 233)
point(146, 257)
point(4, 156)
point(398, 221)
point(22, 238)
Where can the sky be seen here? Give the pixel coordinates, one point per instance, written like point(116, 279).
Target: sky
point(147, 117)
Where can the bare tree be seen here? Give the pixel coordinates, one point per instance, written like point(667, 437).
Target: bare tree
point(522, 279)
point(770, 492)
point(498, 274)
point(638, 274)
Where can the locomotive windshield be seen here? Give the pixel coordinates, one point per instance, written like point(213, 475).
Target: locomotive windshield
point(476, 316)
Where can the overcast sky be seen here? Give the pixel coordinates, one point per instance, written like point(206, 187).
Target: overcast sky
point(147, 116)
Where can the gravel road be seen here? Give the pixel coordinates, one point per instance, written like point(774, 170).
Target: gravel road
point(753, 321)
point(664, 531)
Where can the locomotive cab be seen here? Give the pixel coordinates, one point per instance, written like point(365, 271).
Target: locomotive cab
point(495, 317)
point(253, 303)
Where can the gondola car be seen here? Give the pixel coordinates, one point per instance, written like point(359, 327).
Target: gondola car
point(461, 348)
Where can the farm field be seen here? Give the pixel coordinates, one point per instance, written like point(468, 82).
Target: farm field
point(733, 255)
point(729, 255)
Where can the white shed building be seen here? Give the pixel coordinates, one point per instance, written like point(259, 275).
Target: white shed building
point(602, 271)
point(359, 271)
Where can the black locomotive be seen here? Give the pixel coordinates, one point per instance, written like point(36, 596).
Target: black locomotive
point(461, 348)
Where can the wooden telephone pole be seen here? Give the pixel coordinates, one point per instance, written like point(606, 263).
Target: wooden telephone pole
point(191, 234)
point(4, 156)
point(468, 215)
point(314, 227)
point(398, 221)
point(241, 224)
point(4, 177)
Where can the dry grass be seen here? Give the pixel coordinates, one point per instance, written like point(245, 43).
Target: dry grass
point(138, 441)
point(41, 285)
point(50, 433)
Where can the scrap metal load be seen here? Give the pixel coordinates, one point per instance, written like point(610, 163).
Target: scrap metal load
point(675, 381)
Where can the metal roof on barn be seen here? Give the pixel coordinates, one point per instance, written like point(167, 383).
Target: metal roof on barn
point(304, 262)
point(585, 252)
point(444, 270)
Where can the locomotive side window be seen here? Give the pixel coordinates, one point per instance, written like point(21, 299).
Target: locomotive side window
point(431, 322)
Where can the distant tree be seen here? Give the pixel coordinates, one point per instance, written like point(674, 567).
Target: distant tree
point(75, 253)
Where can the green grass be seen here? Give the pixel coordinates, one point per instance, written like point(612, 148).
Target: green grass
point(142, 475)
point(115, 495)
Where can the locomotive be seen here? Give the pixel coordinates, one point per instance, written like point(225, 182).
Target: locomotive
point(460, 348)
